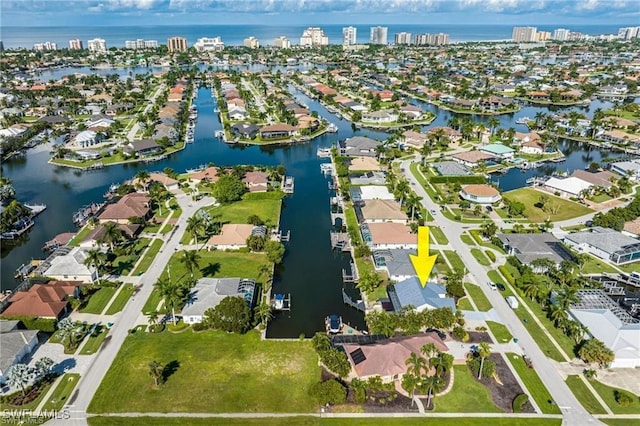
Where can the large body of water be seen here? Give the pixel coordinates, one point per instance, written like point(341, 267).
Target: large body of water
point(233, 35)
point(311, 272)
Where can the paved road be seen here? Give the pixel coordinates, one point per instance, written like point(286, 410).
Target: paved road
point(572, 410)
point(134, 129)
point(127, 318)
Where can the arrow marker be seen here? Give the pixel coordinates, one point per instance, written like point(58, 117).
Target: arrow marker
point(423, 262)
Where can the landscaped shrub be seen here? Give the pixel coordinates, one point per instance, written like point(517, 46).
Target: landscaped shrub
point(519, 401)
point(460, 334)
point(488, 367)
point(48, 325)
point(507, 275)
point(332, 358)
point(623, 398)
point(491, 255)
point(329, 392)
point(199, 327)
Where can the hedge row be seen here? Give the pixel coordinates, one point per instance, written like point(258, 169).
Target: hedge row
point(491, 255)
point(48, 325)
point(463, 180)
point(507, 275)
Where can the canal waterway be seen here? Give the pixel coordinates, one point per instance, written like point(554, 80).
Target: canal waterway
point(311, 272)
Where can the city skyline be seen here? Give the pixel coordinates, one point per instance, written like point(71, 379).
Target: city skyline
point(30, 13)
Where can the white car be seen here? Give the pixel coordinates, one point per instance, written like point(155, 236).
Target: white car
point(493, 286)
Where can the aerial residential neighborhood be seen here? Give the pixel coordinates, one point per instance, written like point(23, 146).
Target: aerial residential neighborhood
point(402, 222)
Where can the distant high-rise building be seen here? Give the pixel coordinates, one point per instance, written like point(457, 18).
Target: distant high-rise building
point(75, 44)
point(349, 36)
point(403, 38)
point(1, 46)
point(282, 42)
point(314, 36)
point(47, 45)
point(629, 32)
point(209, 44)
point(543, 35)
point(524, 34)
point(378, 35)
point(177, 44)
point(151, 44)
point(98, 45)
point(561, 34)
point(140, 44)
point(251, 42)
point(439, 39)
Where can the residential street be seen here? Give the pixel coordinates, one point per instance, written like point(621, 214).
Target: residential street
point(572, 410)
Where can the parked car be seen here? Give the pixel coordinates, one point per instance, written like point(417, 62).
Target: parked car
point(500, 286)
point(492, 286)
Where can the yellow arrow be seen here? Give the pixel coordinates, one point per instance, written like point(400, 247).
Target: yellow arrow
point(422, 262)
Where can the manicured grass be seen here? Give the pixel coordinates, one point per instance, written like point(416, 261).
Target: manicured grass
point(617, 422)
point(500, 331)
point(151, 253)
point(534, 385)
point(93, 342)
point(467, 240)
point(478, 297)
point(477, 236)
point(607, 394)
point(427, 187)
point(467, 395)
point(228, 373)
point(313, 421)
point(124, 264)
point(99, 300)
point(597, 266)
point(454, 259)
point(480, 257)
point(266, 205)
point(62, 392)
point(81, 235)
point(465, 305)
point(529, 197)
point(121, 299)
point(630, 267)
point(584, 395)
point(152, 302)
point(441, 264)
point(437, 235)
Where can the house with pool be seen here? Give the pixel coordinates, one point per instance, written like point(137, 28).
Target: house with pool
point(498, 150)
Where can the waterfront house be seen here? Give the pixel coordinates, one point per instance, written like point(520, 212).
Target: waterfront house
point(370, 192)
point(454, 135)
point(279, 130)
point(162, 178)
point(567, 187)
point(369, 178)
point(86, 138)
point(411, 111)
point(364, 164)
point(534, 147)
point(209, 292)
point(607, 244)
point(415, 139)
point(143, 148)
point(387, 358)
point(383, 211)
point(619, 137)
point(388, 235)
point(256, 181)
point(96, 237)
point(451, 168)
point(395, 262)
point(99, 120)
point(131, 205)
point(627, 168)
point(210, 174)
point(498, 150)
point(232, 237)
point(384, 116)
point(43, 300)
point(602, 178)
point(15, 346)
point(410, 292)
point(472, 158)
point(244, 130)
point(480, 194)
point(529, 247)
point(68, 263)
point(359, 146)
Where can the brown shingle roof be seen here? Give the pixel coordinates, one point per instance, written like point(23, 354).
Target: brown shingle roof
point(231, 234)
point(383, 210)
point(134, 204)
point(392, 233)
point(42, 300)
point(481, 190)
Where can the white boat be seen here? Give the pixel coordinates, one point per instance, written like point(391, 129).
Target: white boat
point(219, 134)
point(523, 120)
point(287, 185)
point(332, 128)
point(324, 152)
point(334, 324)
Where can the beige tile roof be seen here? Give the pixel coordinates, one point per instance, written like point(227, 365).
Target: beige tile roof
point(231, 234)
point(383, 210)
point(481, 190)
point(391, 233)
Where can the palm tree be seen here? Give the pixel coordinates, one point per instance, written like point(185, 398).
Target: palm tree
point(432, 383)
point(172, 294)
point(429, 350)
point(402, 189)
point(557, 313)
point(19, 376)
point(112, 234)
point(190, 259)
point(263, 313)
point(143, 176)
point(195, 225)
point(156, 370)
point(413, 202)
point(153, 317)
point(493, 123)
point(416, 364)
point(566, 297)
point(484, 350)
point(43, 366)
point(532, 290)
point(95, 258)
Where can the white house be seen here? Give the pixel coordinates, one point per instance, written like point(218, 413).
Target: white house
point(627, 168)
point(567, 187)
point(480, 194)
point(69, 265)
point(605, 243)
point(385, 116)
point(85, 139)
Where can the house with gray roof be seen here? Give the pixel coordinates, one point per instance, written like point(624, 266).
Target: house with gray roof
point(529, 247)
point(451, 168)
point(369, 178)
point(411, 293)
point(396, 262)
point(209, 292)
point(605, 243)
point(15, 345)
point(359, 146)
point(627, 168)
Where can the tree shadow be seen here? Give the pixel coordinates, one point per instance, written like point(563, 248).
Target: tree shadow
point(211, 269)
point(169, 369)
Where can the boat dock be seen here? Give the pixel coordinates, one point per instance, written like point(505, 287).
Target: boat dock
point(324, 152)
point(287, 185)
point(351, 277)
point(58, 240)
point(36, 209)
point(18, 229)
point(281, 302)
point(81, 217)
point(327, 169)
point(359, 304)
point(340, 241)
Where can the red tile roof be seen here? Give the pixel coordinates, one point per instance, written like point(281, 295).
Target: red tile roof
point(42, 300)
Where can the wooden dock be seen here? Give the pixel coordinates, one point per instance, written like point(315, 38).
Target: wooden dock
point(359, 305)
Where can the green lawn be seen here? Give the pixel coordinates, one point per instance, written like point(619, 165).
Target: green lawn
point(584, 395)
point(427, 187)
point(597, 266)
point(466, 396)
point(124, 264)
point(495, 277)
point(152, 302)
point(566, 209)
point(467, 240)
point(81, 235)
point(437, 235)
point(477, 236)
point(464, 304)
point(607, 394)
point(98, 300)
point(121, 299)
point(500, 331)
point(478, 297)
point(630, 267)
point(480, 257)
point(93, 342)
point(227, 372)
point(534, 385)
point(62, 392)
point(325, 421)
point(151, 253)
point(454, 259)
point(266, 205)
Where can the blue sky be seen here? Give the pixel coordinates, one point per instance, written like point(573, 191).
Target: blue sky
point(303, 12)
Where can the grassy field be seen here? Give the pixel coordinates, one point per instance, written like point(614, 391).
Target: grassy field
point(454, 259)
point(152, 302)
point(99, 300)
point(607, 394)
point(597, 266)
point(467, 395)
point(500, 331)
point(121, 299)
point(480, 257)
point(430, 191)
point(533, 383)
point(441, 264)
point(62, 392)
point(584, 395)
point(630, 267)
point(151, 253)
point(467, 240)
point(313, 421)
point(266, 205)
point(478, 297)
point(529, 197)
point(93, 343)
point(124, 264)
point(228, 372)
point(437, 235)
point(465, 305)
